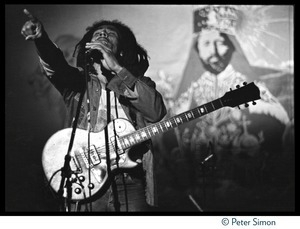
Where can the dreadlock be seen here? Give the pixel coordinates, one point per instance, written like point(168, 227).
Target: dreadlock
point(134, 57)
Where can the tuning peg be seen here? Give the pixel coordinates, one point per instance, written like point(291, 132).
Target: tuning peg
point(245, 83)
point(253, 102)
point(238, 106)
point(238, 86)
point(246, 105)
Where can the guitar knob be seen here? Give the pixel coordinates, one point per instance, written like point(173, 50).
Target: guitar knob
point(245, 83)
point(81, 178)
point(253, 102)
point(91, 185)
point(77, 190)
point(246, 105)
point(238, 86)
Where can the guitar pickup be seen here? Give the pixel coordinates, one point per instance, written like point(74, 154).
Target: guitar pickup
point(75, 165)
point(95, 159)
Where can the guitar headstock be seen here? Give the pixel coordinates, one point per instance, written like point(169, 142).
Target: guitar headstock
point(241, 95)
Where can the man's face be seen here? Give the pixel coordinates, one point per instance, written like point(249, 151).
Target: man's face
point(108, 36)
point(213, 52)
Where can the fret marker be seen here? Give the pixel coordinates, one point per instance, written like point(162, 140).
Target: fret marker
point(202, 110)
point(168, 124)
point(137, 137)
point(143, 134)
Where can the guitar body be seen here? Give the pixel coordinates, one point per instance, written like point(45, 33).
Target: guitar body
point(56, 148)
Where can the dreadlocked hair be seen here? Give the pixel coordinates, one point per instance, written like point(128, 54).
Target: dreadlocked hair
point(134, 57)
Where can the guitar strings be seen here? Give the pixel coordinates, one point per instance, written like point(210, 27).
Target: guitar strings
point(149, 131)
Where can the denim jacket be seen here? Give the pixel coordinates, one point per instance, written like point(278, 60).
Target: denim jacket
point(148, 107)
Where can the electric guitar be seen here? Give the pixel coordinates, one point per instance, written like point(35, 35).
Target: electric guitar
point(92, 168)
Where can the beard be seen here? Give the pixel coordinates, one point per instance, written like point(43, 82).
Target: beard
point(217, 66)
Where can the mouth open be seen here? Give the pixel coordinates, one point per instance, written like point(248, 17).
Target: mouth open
point(105, 42)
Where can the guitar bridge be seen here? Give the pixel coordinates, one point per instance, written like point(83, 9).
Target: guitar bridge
point(75, 165)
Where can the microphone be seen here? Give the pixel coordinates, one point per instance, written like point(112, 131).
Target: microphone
point(94, 54)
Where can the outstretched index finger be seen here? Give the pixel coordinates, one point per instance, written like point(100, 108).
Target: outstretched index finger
point(31, 17)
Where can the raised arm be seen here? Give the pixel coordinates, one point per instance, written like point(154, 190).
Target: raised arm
point(52, 60)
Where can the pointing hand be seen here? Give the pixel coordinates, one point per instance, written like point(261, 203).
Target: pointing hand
point(32, 29)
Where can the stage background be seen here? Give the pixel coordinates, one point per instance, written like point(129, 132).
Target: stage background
point(34, 111)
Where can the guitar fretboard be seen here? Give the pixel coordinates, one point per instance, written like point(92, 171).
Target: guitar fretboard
point(146, 133)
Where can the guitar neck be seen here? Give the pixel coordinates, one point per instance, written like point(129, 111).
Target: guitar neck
point(147, 132)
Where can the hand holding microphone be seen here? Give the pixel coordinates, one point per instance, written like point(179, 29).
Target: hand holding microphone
point(102, 51)
point(94, 54)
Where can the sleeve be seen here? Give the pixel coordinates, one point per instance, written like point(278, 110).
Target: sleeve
point(141, 93)
point(62, 75)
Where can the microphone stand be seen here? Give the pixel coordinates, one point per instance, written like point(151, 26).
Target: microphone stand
point(66, 170)
point(66, 176)
point(113, 182)
point(203, 163)
point(91, 55)
point(88, 61)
